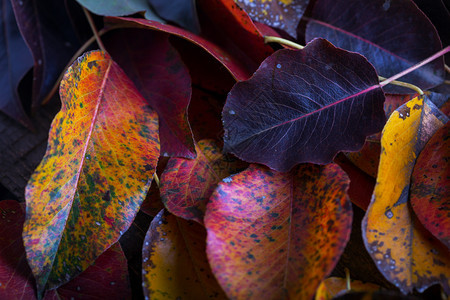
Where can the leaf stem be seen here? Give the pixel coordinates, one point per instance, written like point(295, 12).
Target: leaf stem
point(447, 68)
point(155, 176)
point(94, 30)
point(347, 279)
point(274, 39)
point(403, 84)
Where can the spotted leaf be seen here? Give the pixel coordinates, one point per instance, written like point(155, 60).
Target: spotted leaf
point(403, 250)
point(430, 194)
point(174, 262)
point(273, 235)
point(102, 152)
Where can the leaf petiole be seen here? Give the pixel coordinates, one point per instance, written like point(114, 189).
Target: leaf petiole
point(275, 39)
point(156, 178)
point(403, 84)
point(94, 30)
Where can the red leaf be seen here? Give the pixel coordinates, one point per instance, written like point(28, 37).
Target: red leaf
point(303, 106)
point(272, 235)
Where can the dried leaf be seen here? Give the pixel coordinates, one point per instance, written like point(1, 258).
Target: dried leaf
point(404, 252)
point(273, 235)
point(102, 153)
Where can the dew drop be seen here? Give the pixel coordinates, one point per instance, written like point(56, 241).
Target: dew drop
point(374, 248)
point(227, 179)
point(392, 267)
point(39, 61)
point(159, 222)
point(78, 288)
point(161, 239)
point(145, 259)
point(20, 3)
point(392, 261)
point(98, 224)
point(387, 5)
point(146, 243)
point(112, 283)
point(378, 262)
point(120, 232)
point(278, 66)
point(389, 214)
point(232, 112)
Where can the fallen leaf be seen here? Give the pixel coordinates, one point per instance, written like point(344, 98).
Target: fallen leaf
point(102, 153)
point(430, 194)
point(181, 12)
point(15, 61)
point(174, 261)
point(390, 34)
point(303, 106)
point(336, 286)
point(160, 76)
point(187, 184)
point(275, 235)
point(403, 250)
point(120, 8)
point(282, 14)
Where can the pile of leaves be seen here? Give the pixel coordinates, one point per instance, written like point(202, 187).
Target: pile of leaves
point(247, 151)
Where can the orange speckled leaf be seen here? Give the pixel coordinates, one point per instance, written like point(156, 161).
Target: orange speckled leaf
point(102, 153)
point(430, 193)
point(174, 263)
point(335, 286)
point(187, 184)
point(274, 235)
point(404, 252)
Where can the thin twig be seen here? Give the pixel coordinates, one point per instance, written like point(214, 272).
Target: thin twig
point(274, 39)
point(447, 68)
point(94, 29)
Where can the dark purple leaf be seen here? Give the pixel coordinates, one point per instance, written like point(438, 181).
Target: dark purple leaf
point(303, 106)
point(181, 12)
point(48, 33)
point(15, 61)
point(392, 35)
point(156, 69)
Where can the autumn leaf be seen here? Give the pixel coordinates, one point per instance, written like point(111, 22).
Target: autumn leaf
point(335, 286)
point(403, 250)
point(282, 14)
point(102, 153)
point(303, 106)
point(429, 185)
point(187, 184)
point(382, 31)
point(274, 235)
point(174, 261)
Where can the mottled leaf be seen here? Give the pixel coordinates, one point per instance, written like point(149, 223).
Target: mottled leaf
point(187, 184)
point(234, 66)
point(120, 8)
point(48, 32)
point(430, 193)
point(282, 14)
point(102, 152)
point(15, 61)
point(174, 261)
point(392, 35)
point(181, 12)
point(403, 250)
point(275, 235)
point(303, 106)
point(335, 286)
point(160, 76)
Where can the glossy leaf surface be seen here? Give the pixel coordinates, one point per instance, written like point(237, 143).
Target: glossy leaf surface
point(335, 286)
point(187, 184)
point(391, 34)
point(403, 250)
point(282, 14)
point(303, 106)
point(15, 61)
point(160, 76)
point(120, 8)
point(102, 153)
point(430, 193)
point(181, 12)
point(174, 261)
point(273, 235)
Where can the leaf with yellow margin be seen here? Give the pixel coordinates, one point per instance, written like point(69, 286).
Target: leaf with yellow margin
point(403, 250)
point(102, 153)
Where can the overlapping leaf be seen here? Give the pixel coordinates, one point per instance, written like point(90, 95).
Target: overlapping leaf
point(335, 286)
point(303, 106)
point(15, 61)
point(403, 250)
point(120, 8)
point(430, 194)
point(174, 261)
point(282, 14)
point(273, 235)
point(391, 34)
point(181, 12)
point(101, 156)
point(156, 69)
point(186, 185)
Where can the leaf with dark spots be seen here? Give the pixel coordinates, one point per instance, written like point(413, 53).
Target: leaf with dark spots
point(186, 185)
point(334, 286)
point(275, 235)
point(174, 263)
point(48, 32)
point(234, 66)
point(282, 14)
point(303, 106)
point(392, 35)
point(15, 61)
point(160, 76)
point(120, 8)
point(402, 249)
point(100, 141)
point(430, 194)
point(181, 12)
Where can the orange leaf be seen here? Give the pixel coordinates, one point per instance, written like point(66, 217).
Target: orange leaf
point(174, 261)
point(102, 153)
point(273, 235)
point(405, 253)
point(335, 286)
